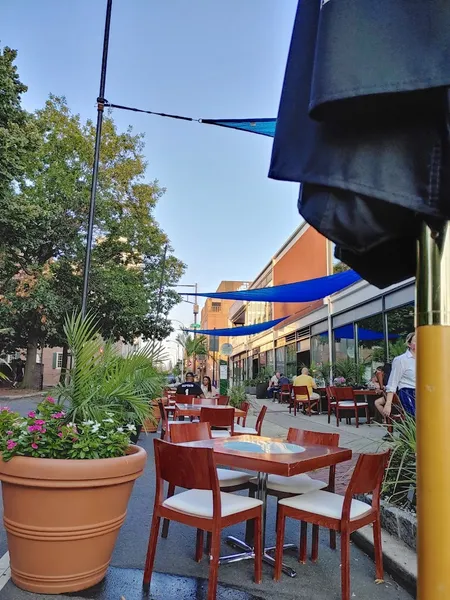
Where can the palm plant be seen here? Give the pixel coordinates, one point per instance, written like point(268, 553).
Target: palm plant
point(193, 346)
point(348, 369)
point(400, 479)
point(102, 382)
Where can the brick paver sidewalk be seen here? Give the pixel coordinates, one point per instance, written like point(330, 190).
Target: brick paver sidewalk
point(343, 474)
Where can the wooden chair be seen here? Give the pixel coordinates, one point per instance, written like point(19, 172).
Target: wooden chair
point(397, 413)
point(303, 392)
point(219, 417)
point(185, 399)
point(203, 505)
point(345, 401)
point(245, 407)
point(284, 394)
point(229, 481)
point(241, 430)
point(223, 400)
point(287, 487)
point(165, 423)
point(339, 513)
point(205, 401)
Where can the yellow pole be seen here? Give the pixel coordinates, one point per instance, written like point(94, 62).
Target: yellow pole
point(433, 414)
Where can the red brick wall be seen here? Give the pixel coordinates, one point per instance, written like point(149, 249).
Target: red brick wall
point(306, 259)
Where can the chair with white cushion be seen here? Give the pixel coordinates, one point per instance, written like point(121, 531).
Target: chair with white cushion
point(339, 513)
point(219, 417)
point(241, 430)
point(203, 505)
point(286, 487)
point(344, 404)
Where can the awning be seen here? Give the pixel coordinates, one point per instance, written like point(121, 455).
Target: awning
point(238, 331)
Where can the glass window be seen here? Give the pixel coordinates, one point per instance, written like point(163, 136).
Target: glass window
point(320, 358)
point(280, 359)
point(400, 322)
point(371, 346)
point(270, 362)
point(344, 347)
point(291, 360)
point(262, 359)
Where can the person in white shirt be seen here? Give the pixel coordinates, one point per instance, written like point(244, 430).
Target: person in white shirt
point(273, 385)
point(209, 391)
point(402, 381)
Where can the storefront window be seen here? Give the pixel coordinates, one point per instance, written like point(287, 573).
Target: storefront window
point(400, 322)
point(371, 345)
point(270, 362)
point(344, 344)
point(280, 359)
point(291, 360)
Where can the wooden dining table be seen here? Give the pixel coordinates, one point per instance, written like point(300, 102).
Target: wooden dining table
point(193, 410)
point(268, 456)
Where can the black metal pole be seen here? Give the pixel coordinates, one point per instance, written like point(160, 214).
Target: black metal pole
point(98, 135)
point(161, 284)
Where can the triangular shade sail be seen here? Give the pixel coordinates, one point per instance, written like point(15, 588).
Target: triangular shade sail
point(237, 331)
point(302, 291)
point(260, 126)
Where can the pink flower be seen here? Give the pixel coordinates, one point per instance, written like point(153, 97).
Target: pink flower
point(10, 433)
point(5, 409)
point(10, 444)
point(60, 434)
point(58, 415)
point(39, 422)
point(34, 446)
point(32, 414)
point(51, 400)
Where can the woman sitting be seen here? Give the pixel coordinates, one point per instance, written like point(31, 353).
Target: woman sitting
point(209, 391)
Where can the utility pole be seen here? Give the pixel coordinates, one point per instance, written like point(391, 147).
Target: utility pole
point(98, 136)
point(195, 308)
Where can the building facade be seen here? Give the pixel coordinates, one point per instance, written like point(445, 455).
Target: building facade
point(366, 326)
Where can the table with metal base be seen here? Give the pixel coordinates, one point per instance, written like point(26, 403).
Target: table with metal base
point(248, 551)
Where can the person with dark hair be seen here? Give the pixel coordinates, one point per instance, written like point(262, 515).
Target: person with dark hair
point(190, 387)
point(209, 391)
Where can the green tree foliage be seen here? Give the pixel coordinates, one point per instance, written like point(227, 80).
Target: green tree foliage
point(44, 225)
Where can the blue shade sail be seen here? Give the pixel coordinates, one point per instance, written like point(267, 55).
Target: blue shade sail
point(347, 332)
point(260, 126)
point(302, 291)
point(237, 331)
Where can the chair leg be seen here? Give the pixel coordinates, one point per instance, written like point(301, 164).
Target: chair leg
point(250, 525)
point(258, 549)
point(345, 566)
point(332, 539)
point(303, 542)
point(199, 546)
point(378, 549)
point(151, 551)
point(166, 522)
point(315, 543)
point(208, 543)
point(367, 415)
point(279, 545)
point(356, 418)
point(214, 565)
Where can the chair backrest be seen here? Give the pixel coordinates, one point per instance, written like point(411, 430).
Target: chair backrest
point(301, 390)
point(301, 436)
point(189, 432)
point(260, 419)
point(366, 479)
point(245, 406)
point(205, 401)
point(218, 417)
point(185, 399)
point(185, 467)
point(286, 387)
point(163, 414)
point(343, 393)
point(223, 400)
point(379, 376)
point(329, 394)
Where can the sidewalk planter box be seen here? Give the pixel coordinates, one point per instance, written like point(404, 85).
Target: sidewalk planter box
point(62, 517)
point(261, 391)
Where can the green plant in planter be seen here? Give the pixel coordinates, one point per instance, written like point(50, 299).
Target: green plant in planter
point(101, 381)
point(400, 482)
point(237, 396)
point(262, 376)
point(348, 369)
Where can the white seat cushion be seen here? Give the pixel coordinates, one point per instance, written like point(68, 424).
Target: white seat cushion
point(245, 430)
point(229, 478)
point(200, 504)
point(297, 484)
point(326, 504)
point(220, 433)
point(350, 403)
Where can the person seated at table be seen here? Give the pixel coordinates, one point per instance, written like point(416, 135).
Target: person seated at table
point(306, 380)
point(273, 384)
point(402, 380)
point(209, 391)
point(190, 387)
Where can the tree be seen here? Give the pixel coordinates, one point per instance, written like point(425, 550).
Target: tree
point(45, 220)
point(193, 346)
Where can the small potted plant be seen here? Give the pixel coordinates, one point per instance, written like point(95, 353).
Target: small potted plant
point(68, 468)
point(237, 396)
point(262, 383)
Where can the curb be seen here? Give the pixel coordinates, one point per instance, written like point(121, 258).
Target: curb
point(398, 559)
point(21, 397)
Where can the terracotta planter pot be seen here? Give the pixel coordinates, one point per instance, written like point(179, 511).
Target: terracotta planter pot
point(62, 517)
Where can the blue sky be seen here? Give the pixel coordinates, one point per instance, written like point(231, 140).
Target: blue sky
point(200, 58)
